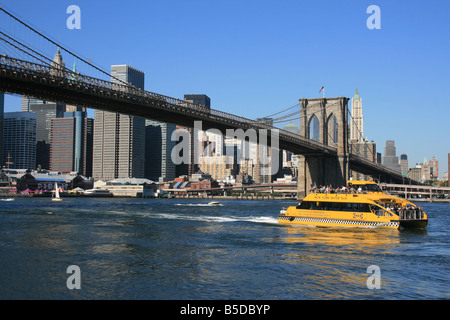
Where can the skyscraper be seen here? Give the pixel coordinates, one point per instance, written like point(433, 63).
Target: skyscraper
point(357, 119)
point(191, 167)
point(366, 150)
point(200, 99)
point(57, 66)
point(71, 143)
point(266, 169)
point(434, 165)
point(45, 112)
point(119, 139)
point(404, 164)
point(425, 173)
point(158, 148)
point(2, 110)
point(19, 141)
point(28, 101)
point(287, 155)
point(390, 160)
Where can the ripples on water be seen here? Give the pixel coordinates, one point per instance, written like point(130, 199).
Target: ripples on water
point(184, 249)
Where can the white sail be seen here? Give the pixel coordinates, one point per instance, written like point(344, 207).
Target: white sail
point(56, 194)
point(56, 190)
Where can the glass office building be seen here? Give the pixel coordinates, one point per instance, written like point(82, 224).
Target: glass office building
point(19, 140)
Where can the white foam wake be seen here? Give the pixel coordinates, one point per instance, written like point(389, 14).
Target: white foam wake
point(199, 205)
point(218, 219)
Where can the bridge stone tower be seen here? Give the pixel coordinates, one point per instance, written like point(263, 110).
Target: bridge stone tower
point(326, 121)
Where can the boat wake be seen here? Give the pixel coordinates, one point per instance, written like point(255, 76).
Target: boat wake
point(216, 219)
point(199, 205)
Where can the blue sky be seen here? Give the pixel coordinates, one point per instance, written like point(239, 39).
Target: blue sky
point(254, 58)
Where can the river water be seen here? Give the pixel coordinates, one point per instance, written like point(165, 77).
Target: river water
point(169, 249)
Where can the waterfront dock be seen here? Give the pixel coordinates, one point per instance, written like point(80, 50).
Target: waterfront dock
point(418, 193)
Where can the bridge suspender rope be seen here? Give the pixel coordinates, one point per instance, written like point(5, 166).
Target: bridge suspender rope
point(359, 131)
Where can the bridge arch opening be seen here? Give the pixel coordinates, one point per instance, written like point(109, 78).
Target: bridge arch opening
point(332, 130)
point(314, 128)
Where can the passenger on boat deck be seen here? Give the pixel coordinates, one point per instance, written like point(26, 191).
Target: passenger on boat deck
point(339, 190)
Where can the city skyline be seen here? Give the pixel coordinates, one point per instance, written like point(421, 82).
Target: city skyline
point(252, 68)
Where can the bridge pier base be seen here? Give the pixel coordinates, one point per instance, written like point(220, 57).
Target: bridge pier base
point(319, 171)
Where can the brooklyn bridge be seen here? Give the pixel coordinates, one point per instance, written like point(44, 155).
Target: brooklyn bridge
point(323, 161)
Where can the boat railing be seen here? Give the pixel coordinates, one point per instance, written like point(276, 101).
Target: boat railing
point(411, 214)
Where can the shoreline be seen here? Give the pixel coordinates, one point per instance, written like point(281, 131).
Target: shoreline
point(250, 197)
point(241, 197)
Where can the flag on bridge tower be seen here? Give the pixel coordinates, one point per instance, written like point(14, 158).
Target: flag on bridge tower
point(323, 91)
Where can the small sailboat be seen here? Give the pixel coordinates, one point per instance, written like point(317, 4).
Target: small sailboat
point(56, 196)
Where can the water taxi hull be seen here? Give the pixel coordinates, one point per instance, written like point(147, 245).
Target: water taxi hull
point(419, 223)
point(329, 222)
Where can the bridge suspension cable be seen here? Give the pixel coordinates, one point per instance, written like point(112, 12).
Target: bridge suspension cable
point(20, 47)
point(284, 118)
point(14, 45)
point(352, 121)
point(271, 115)
point(300, 116)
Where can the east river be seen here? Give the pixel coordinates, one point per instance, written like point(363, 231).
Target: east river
point(183, 249)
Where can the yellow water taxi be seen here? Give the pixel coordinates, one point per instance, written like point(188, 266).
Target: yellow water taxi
point(361, 204)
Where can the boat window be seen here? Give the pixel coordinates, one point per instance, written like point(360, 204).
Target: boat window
point(379, 212)
point(371, 188)
point(305, 205)
point(334, 206)
point(362, 207)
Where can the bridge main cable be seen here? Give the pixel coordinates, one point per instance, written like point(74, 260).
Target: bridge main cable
point(63, 48)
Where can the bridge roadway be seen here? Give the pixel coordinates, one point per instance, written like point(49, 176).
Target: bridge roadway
point(51, 84)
